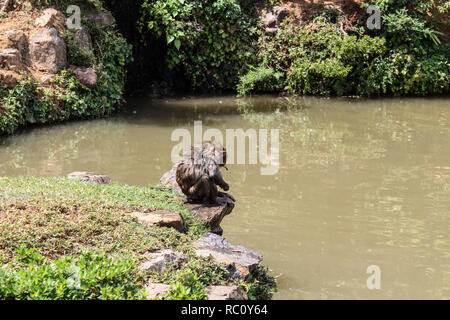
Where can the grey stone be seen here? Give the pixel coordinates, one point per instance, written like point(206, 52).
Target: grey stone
point(86, 76)
point(52, 18)
point(104, 19)
point(161, 218)
point(10, 59)
point(90, 177)
point(156, 290)
point(226, 293)
point(83, 39)
point(212, 215)
point(239, 261)
point(18, 40)
point(168, 180)
point(48, 50)
point(161, 261)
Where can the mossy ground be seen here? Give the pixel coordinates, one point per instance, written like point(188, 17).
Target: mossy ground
point(60, 218)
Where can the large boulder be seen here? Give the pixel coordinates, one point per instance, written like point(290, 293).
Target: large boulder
point(90, 177)
point(161, 218)
point(226, 293)
point(104, 19)
point(48, 50)
point(86, 76)
point(239, 261)
point(11, 59)
point(83, 39)
point(162, 260)
point(211, 215)
point(17, 40)
point(52, 18)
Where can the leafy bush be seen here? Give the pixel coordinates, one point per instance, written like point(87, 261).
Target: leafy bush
point(261, 79)
point(406, 57)
point(187, 286)
point(90, 276)
point(207, 40)
point(317, 59)
point(417, 62)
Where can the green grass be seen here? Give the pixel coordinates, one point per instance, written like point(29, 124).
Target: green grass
point(62, 216)
point(48, 226)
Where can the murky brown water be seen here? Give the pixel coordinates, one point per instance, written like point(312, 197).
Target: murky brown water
point(360, 183)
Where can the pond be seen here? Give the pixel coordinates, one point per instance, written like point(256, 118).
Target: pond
point(360, 183)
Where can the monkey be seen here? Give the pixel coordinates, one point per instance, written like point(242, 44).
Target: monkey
point(198, 173)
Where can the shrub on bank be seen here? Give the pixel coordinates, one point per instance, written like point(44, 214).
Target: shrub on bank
point(208, 41)
point(91, 275)
point(406, 57)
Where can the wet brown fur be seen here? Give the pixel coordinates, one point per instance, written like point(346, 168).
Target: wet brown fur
point(198, 174)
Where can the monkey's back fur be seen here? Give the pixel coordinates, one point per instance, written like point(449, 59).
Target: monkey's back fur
point(198, 173)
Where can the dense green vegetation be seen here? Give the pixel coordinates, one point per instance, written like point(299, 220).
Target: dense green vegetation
point(405, 57)
point(50, 226)
point(209, 41)
point(90, 276)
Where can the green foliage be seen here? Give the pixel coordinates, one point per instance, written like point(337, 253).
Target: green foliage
point(75, 55)
point(187, 286)
point(261, 79)
point(406, 57)
point(62, 216)
point(90, 276)
point(260, 285)
point(417, 62)
point(317, 59)
point(208, 40)
point(29, 103)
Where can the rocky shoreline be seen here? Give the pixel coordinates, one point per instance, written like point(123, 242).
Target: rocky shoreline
point(239, 261)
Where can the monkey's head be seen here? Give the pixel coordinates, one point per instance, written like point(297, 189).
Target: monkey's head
point(211, 151)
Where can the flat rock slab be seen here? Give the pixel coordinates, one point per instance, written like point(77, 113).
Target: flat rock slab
point(226, 293)
point(212, 215)
point(156, 290)
point(90, 177)
point(162, 260)
point(240, 261)
point(161, 218)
